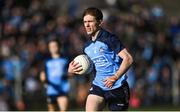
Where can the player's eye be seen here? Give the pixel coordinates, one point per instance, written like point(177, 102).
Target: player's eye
point(88, 21)
point(84, 22)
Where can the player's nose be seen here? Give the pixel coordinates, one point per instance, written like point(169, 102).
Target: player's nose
point(86, 24)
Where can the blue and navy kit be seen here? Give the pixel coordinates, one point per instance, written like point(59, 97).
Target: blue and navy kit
point(56, 75)
point(104, 53)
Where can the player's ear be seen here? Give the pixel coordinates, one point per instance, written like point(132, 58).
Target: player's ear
point(100, 22)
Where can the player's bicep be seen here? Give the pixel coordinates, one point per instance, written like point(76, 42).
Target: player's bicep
point(125, 55)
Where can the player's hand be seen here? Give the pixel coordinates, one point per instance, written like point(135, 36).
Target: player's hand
point(109, 81)
point(74, 67)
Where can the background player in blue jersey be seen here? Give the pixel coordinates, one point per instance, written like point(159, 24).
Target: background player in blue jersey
point(55, 78)
point(111, 60)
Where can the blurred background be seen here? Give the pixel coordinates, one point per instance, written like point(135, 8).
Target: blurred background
point(150, 29)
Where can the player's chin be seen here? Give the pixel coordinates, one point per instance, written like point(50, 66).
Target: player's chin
point(89, 33)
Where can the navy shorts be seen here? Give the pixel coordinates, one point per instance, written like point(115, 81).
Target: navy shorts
point(52, 99)
point(117, 99)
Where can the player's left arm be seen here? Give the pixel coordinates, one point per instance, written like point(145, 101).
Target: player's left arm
point(126, 63)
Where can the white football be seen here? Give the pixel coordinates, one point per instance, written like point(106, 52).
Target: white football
point(86, 63)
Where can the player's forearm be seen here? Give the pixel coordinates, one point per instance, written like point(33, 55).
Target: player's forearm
point(126, 63)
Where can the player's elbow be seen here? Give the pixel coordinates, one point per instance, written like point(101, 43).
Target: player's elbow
point(129, 60)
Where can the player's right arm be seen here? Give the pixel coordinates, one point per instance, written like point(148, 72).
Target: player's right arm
point(74, 67)
point(43, 76)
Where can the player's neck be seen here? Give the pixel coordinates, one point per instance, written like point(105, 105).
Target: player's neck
point(94, 36)
point(55, 55)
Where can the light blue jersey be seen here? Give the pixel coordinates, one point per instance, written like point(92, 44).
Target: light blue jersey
point(56, 74)
point(104, 54)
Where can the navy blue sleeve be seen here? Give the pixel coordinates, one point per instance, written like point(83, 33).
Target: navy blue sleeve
point(115, 44)
point(85, 45)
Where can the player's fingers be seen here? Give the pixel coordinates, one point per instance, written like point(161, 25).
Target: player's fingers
point(78, 69)
point(78, 66)
point(108, 84)
point(106, 79)
point(71, 67)
point(72, 62)
point(105, 83)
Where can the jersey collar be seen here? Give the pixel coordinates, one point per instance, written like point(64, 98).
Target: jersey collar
point(98, 36)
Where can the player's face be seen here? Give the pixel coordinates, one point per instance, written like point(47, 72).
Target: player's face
point(53, 47)
point(91, 25)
